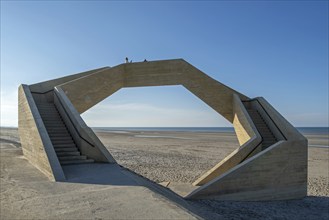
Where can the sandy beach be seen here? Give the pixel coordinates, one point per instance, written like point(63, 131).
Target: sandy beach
point(164, 156)
point(168, 157)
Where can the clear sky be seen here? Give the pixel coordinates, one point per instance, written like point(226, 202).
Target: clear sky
point(274, 49)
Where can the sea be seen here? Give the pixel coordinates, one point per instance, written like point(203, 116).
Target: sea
point(303, 130)
point(323, 131)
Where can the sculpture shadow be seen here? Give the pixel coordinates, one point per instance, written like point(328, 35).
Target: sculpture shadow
point(98, 173)
point(311, 207)
point(116, 175)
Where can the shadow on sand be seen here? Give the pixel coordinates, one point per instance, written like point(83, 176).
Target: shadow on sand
point(116, 175)
point(98, 173)
point(311, 207)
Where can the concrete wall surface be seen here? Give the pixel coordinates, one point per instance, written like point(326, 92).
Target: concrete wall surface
point(277, 173)
point(248, 137)
point(36, 144)
point(155, 73)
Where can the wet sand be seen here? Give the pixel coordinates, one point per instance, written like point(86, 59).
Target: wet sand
point(181, 157)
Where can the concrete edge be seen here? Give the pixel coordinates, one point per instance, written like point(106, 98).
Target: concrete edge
point(84, 131)
point(289, 131)
point(250, 123)
point(57, 171)
point(237, 155)
point(194, 193)
point(45, 86)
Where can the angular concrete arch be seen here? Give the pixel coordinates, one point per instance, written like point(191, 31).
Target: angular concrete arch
point(271, 162)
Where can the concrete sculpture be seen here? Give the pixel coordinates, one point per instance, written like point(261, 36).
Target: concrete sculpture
point(270, 164)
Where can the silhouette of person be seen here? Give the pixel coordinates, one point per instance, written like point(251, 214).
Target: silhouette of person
point(127, 60)
point(145, 60)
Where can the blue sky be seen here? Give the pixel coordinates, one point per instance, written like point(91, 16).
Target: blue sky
point(274, 49)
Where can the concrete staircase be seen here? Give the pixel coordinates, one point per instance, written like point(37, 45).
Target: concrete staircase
point(263, 129)
point(65, 147)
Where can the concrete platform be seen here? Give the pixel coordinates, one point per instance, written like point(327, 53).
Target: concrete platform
point(90, 193)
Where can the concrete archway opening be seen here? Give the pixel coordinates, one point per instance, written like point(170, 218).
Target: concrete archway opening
point(153, 140)
point(269, 164)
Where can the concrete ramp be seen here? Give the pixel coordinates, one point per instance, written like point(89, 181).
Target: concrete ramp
point(270, 164)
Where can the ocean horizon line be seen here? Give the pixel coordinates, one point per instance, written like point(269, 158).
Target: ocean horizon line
point(303, 130)
point(300, 127)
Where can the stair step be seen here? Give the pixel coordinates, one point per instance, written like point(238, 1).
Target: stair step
point(65, 158)
point(46, 107)
point(67, 162)
point(64, 145)
point(50, 127)
point(45, 111)
point(58, 131)
point(57, 127)
point(45, 103)
point(66, 149)
point(61, 138)
point(61, 134)
point(58, 142)
point(50, 116)
point(59, 145)
point(56, 124)
point(66, 153)
point(52, 119)
point(48, 112)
